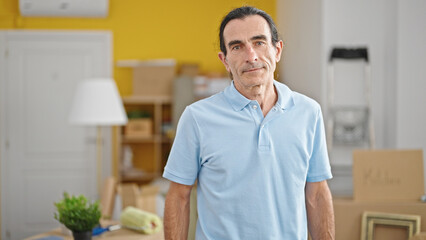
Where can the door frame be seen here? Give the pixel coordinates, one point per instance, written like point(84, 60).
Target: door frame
point(5, 36)
point(3, 133)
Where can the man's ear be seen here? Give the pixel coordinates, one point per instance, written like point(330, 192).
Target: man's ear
point(279, 48)
point(222, 58)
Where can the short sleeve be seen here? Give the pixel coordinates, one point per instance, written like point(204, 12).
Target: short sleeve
point(319, 164)
point(183, 162)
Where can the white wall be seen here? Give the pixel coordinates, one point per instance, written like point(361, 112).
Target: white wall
point(300, 26)
point(411, 72)
point(395, 34)
point(353, 24)
point(411, 82)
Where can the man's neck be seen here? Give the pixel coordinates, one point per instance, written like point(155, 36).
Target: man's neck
point(264, 94)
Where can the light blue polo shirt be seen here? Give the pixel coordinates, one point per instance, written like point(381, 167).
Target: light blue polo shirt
point(251, 170)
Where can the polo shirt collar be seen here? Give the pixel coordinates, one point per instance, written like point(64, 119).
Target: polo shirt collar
point(285, 95)
point(238, 101)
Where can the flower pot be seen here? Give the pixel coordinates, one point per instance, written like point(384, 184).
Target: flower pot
point(82, 235)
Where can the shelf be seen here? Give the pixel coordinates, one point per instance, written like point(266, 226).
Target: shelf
point(166, 140)
point(132, 139)
point(147, 100)
point(133, 63)
point(158, 138)
point(146, 177)
point(149, 153)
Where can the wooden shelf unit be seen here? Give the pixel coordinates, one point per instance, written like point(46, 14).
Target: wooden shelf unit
point(149, 153)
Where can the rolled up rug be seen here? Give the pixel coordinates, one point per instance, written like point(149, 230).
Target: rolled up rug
point(141, 221)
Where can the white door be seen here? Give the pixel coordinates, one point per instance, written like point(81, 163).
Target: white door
point(41, 154)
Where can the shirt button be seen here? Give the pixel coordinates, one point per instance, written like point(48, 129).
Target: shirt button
point(274, 109)
point(254, 106)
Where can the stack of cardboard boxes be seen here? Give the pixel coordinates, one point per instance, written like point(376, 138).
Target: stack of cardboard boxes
point(386, 181)
point(152, 78)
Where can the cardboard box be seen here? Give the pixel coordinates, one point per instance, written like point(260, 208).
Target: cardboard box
point(190, 70)
point(141, 127)
point(108, 197)
point(147, 199)
point(348, 217)
point(420, 236)
point(154, 78)
point(144, 197)
point(388, 175)
point(128, 193)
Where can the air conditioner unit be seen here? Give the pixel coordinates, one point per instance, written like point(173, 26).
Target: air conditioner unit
point(64, 8)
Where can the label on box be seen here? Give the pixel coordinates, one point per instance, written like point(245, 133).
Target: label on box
point(388, 175)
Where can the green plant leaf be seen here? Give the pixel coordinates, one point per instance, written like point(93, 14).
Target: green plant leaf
point(76, 213)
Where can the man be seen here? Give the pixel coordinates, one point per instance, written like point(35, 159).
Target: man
point(257, 149)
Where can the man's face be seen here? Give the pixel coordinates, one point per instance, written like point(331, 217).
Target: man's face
point(251, 57)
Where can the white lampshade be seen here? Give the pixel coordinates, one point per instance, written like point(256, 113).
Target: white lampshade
point(97, 103)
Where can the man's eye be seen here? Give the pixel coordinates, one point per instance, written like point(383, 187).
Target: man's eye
point(235, 47)
point(260, 43)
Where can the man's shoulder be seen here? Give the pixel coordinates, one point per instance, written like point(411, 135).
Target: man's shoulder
point(207, 104)
point(304, 100)
point(299, 99)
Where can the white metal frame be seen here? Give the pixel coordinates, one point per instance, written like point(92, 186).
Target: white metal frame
point(330, 104)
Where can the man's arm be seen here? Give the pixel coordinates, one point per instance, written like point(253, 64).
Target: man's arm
point(176, 212)
point(319, 207)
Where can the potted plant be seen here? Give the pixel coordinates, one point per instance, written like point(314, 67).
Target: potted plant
point(78, 215)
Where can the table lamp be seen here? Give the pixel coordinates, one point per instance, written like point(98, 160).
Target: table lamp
point(97, 103)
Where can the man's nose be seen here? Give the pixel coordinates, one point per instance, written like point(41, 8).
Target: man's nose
point(251, 55)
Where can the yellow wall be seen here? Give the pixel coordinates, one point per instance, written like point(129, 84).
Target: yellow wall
point(185, 30)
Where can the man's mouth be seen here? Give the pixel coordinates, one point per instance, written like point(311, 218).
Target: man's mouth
point(253, 69)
